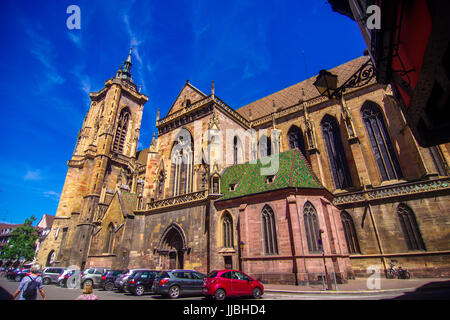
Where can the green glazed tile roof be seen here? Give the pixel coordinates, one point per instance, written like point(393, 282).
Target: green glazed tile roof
point(293, 172)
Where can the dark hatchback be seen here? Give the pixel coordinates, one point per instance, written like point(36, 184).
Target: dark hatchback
point(18, 275)
point(140, 281)
point(175, 283)
point(109, 277)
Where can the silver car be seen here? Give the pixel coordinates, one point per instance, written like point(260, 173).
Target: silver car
point(92, 276)
point(51, 274)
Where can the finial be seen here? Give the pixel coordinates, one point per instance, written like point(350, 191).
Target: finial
point(157, 115)
point(212, 87)
point(129, 55)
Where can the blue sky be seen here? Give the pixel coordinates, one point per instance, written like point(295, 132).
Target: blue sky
point(249, 48)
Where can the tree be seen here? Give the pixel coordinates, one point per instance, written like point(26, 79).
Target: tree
point(22, 242)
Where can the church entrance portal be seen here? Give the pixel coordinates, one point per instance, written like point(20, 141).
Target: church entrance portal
point(172, 248)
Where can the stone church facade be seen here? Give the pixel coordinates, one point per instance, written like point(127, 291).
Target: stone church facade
point(280, 188)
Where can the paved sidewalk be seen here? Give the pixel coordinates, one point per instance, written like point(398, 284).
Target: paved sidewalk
point(359, 285)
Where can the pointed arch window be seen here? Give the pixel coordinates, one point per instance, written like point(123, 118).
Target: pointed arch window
point(265, 146)
point(109, 238)
point(182, 163)
point(295, 139)
point(121, 131)
point(381, 143)
point(410, 228)
point(269, 231)
point(311, 227)
point(227, 230)
point(336, 153)
point(438, 160)
point(235, 150)
point(350, 233)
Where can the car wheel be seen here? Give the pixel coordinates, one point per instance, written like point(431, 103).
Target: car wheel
point(17, 279)
point(139, 291)
point(220, 294)
point(46, 281)
point(109, 286)
point(61, 284)
point(174, 292)
point(257, 293)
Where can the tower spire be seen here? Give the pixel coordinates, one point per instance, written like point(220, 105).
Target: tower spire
point(126, 68)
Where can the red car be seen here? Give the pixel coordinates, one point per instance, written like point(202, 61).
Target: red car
point(226, 283)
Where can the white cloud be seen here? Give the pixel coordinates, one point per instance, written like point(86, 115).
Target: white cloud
point(75, 38)
point(33, 175)
point(42, 49)
point(52, 195)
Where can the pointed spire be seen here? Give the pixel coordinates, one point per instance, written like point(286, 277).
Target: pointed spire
point(129, 56)
point(212, 88)
point(157, 115)
point(126, 68)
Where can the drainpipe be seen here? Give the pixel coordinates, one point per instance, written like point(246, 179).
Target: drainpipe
point(377, 235)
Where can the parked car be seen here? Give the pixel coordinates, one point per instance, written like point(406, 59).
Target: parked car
point(121, 281)
point(177, 282)
point(11, 273)
point(109, 277)
point(223, 283)
point(18, 275)
point(92, 276)
point(62, 279)
point(51, 275)
point(140, 281)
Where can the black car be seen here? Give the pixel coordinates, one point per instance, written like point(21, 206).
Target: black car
point(141, 281)
point(177, 282)
point(11, 273)
point(109, 277)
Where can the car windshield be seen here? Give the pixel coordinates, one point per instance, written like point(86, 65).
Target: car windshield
point(212, 274)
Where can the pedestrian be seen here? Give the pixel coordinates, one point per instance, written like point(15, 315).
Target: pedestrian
point(30, 285)
point(87, 293)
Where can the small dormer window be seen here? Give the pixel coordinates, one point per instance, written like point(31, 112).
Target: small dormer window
point(232, 186)
point(270, 179)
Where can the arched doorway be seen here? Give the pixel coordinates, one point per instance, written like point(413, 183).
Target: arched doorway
point(50, 258)
point(172, 248)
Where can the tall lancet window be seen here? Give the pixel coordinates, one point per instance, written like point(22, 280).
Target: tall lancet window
point(227, 229)
point(295, 139)
point(311, 227)
point(269, 231)
point(410, 228)
point(237, 151)
point(121, 131)
point(350, 233)
point(182, 163)
point(336, 153)
point(380, 141)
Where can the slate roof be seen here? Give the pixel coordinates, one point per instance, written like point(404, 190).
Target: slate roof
point(290, 96)
point(294, 172)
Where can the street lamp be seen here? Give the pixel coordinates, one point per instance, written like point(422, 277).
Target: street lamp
point(324, 262)
point(326, 83)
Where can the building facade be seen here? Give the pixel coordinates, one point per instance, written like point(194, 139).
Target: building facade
point(280, 188)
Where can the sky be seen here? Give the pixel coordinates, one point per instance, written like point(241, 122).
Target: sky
point(249, 48)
